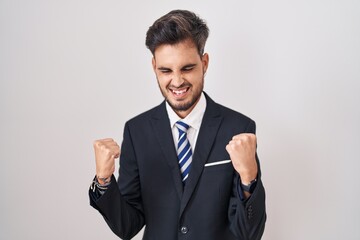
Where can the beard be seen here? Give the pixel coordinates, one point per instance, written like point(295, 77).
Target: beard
point(186, 105)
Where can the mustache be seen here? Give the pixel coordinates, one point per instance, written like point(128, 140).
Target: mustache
point(183, 85)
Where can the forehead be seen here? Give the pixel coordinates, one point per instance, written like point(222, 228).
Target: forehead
point(181, 53)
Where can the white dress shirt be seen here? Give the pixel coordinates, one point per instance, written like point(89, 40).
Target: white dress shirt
point(193, 119)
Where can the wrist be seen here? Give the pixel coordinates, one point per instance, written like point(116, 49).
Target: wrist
point(103, 180)
point(248, 173)
point(247, 177)
point(249, 187)
point(100, 185)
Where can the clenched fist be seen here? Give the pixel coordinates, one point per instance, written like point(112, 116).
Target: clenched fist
point(106, 150)
point(242, 150)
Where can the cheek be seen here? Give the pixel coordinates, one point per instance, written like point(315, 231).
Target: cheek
point(163, 82)
point(195, 79)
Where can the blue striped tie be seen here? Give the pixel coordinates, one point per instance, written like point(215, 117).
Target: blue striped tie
point(184, 151)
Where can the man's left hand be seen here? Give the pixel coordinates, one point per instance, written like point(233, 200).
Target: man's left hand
point(242, 150)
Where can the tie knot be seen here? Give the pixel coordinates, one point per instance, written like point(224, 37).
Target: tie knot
point(182, 126)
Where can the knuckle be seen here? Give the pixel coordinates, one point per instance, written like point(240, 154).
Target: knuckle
point(96, 143)
point(228, 148)
point(254, 137)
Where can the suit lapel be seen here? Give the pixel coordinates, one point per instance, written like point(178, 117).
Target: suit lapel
point(162, 131)
point(208, 131)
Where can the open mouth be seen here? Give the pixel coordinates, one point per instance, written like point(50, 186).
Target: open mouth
point(178, 93)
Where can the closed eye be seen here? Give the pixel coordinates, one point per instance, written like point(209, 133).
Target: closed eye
point(165, 70)
point(188, 68)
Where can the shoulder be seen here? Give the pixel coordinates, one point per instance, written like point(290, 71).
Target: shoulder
point(155, 112)
point(226, 112)
point(232, 119)
point(238, 119)
point(230, 113)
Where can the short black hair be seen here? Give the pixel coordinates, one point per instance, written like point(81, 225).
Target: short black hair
point(175, 27)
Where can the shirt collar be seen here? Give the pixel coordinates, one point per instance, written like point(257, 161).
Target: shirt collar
point(193, 119)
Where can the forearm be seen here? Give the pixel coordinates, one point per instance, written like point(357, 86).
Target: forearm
point(124, 219)
point(247, 217)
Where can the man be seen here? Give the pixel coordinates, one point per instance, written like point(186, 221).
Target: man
point(188, 167)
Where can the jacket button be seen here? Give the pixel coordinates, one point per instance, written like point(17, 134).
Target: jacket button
point(250, 212)
point(184, 230)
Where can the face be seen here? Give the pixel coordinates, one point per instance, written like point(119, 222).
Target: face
point(180, 74)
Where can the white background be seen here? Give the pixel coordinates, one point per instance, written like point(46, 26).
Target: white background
point(72, 71)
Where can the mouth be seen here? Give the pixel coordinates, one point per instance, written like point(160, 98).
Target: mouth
point(179, 93)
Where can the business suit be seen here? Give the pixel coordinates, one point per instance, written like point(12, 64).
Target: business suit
point(149, 190)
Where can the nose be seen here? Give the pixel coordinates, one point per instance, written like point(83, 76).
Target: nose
point(177, 80)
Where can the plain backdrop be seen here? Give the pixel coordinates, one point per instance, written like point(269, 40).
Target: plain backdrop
point(73, 71)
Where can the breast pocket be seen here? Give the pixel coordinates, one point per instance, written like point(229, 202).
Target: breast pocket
point(218, 168)
point(217, 179)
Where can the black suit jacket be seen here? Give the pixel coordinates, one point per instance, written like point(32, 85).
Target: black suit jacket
point(149, 190)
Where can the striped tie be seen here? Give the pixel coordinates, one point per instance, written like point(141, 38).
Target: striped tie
point(184, 151)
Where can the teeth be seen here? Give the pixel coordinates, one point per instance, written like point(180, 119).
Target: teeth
point(179, 91)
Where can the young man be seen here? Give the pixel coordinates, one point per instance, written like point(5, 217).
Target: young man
point(188, 167)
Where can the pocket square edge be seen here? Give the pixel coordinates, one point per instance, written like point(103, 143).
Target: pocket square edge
point(217, 163)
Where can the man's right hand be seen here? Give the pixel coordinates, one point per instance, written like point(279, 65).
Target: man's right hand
point(106, 151)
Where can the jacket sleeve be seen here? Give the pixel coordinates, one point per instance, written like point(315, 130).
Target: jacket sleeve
point(121, 204)
point(247, 218)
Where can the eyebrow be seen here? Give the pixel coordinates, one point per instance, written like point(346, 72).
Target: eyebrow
point(189, 65)
point(163, 68)
point(186, 66)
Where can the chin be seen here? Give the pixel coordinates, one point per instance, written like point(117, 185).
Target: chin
point(181, 106)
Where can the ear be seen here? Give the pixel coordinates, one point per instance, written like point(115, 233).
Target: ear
point(153, 62)
point(205, 61)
